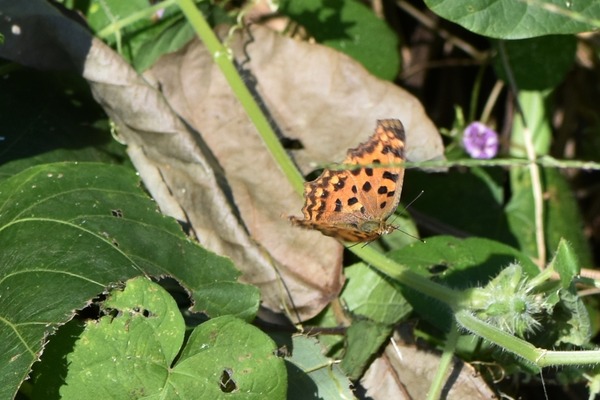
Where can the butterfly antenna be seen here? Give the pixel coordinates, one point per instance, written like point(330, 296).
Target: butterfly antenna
point(406, 209)
point(413, 200)
point(408, 234)
point(357, 243)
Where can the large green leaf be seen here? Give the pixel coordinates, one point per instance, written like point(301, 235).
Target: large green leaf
point(370, 294)
point(565, 264)
point(131, 353)
point(364, 339)
point(314, 376)
point(537, 63)
point(471, 203)
point(536, 106)
point(519, 19)
point(50, 117)
point(350, 27)
point(377, 304)
point(69, 230)
point(561, 216)
point(238, 356)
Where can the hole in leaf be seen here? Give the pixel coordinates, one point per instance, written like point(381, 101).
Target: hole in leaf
point(291, 144)
point(146, 313)
point(227, 384)
point(437, 269)
point(117, 213)
point(314, 174)
point(283, 351)
point(112, 313)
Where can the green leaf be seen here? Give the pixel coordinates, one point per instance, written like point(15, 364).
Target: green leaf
point(520, 211)
point(535, 107)
point(146, 36)
point(562, 218)
point(172, 38)
point(331, 345)
point(472, 203)
point(312, 375)
point(131, 352)
point(52, 117)
point(108, 14)
point(518, 19)
point(372, 295)
point(69, 230)
point(350, 27)
point(101, 14)
point(364, 338)
point(128, 352)
point(229, 358)
point(571, 319)
point(127, 37)
point(565, 264)
point(173, 32)
point(594, 385)
point(538, 63)
point(488, 178)
point(49, 373)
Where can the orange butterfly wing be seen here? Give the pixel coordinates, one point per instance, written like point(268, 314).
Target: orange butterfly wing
point(354, 204)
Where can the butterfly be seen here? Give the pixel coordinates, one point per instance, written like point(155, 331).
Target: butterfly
point(354, 204)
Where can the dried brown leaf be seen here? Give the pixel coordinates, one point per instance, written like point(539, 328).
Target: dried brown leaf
point(187, 180)
point(329, 101)
point(301, 87)
point(219, 175)
point(406, 372)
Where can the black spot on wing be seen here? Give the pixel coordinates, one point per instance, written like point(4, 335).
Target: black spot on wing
point(366, 187)
point(382, 190)
point(321, 209)
point(397, 152)
point(352, 201)
point(338, 205)
point(390, 176)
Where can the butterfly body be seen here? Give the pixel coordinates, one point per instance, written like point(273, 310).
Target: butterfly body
point(354, 204)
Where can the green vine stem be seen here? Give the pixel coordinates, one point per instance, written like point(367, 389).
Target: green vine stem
point(536, 356)
point(222, 58)
point(441, 375)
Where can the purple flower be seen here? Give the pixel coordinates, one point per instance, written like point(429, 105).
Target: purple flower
point(480, 141)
